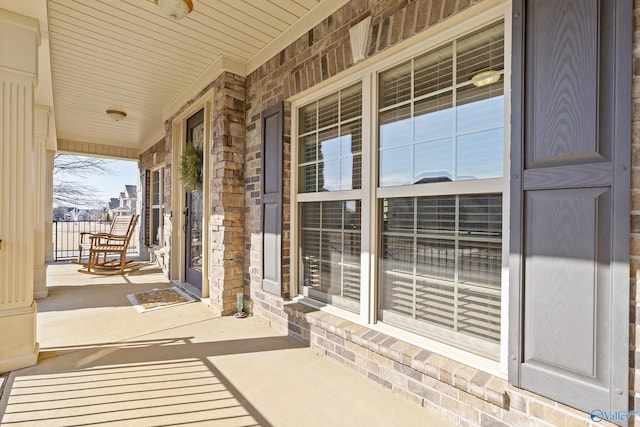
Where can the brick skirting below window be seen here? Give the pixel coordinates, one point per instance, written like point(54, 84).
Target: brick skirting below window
point(464, 395)
point(393, 363)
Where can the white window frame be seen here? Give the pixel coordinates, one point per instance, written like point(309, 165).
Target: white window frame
point(367, 72)
point(326, 196)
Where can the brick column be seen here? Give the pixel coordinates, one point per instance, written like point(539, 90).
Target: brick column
point(226, 188)
point(18, 70)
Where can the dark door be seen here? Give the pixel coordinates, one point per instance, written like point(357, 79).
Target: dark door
point(193, 211)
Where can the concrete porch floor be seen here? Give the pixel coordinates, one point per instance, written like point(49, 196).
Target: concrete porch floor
point(102, 362)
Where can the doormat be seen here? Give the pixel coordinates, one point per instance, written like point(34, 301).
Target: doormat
point(159, 298)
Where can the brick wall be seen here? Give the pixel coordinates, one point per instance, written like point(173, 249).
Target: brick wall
point(464, 395)
point(157, 151)
point(320, 54)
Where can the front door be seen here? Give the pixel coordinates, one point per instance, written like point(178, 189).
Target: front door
point(193, 211)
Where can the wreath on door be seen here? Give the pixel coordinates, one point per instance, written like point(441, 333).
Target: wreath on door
point(191, 168)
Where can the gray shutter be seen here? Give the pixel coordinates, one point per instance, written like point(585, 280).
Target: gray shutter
point(271, 212)
point(144, 207)
point(569, 269)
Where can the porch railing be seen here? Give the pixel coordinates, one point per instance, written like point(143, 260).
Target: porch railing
point(66, 236)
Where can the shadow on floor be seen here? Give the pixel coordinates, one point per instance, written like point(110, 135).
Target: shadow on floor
point(165, 379)
point(102, 362)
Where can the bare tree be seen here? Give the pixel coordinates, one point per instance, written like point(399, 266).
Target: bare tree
point(68, 174)
point(59, 213)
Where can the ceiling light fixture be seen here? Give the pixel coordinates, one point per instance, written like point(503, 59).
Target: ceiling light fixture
point(116, 115)
point(485, 78)
point(175, 9)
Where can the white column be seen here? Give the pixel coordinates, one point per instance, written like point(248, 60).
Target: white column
point(48, 219)
point(40, 173)
point(18, 71)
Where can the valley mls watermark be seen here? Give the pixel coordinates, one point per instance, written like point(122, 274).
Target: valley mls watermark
point(598, 415)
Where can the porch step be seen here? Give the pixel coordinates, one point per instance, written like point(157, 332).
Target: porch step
point(3, 381)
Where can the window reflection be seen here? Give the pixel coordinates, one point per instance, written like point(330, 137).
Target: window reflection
point(434, 127)
point(459, 143)
point(331, 145)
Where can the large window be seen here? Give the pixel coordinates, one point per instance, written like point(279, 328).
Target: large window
point(433, 225)
point(440, 119)
point(330, 159)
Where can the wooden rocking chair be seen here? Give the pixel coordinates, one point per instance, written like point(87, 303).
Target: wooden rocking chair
point(119, 226)
point(104, 244)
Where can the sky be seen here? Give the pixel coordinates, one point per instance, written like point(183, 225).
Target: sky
point(107, 186)
point(124, 173)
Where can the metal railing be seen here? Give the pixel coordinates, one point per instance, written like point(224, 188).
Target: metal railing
point(66, 237)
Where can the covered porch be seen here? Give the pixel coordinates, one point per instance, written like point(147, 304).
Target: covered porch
point(101, 361)
point(441, 195)
point(71, 67)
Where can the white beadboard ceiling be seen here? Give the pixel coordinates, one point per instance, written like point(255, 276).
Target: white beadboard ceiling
point(126, 55)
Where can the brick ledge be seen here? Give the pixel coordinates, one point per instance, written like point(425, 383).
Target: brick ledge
point(465, 378)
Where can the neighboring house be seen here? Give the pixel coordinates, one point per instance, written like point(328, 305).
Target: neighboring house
point(434, 193)
point(124, 204)
point(82, 215)
point(71, 214)
point(129, 197)
point(111, 206)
